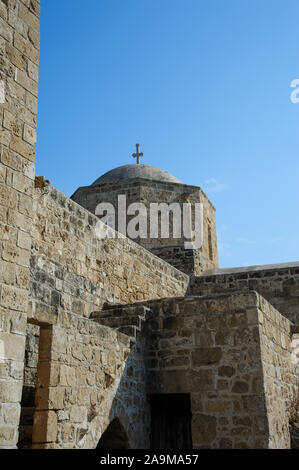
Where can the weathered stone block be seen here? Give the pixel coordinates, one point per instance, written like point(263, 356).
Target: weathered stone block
point(10, 391)
point(22, 148)
point(218, 406)
point(78, 414)
point(51, 398)
point(29, 134)
point(7, 434)
point(67, 376)
point(201, 380)
point(204, 429)
point(18, 323)
point(44, 427)
point(206, 356)
point(11, 413)
point(13, 346)
point(29, 18)
point(8, 197)
point(14, 299)
point(226, 371)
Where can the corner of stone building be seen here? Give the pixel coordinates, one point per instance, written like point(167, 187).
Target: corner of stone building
point(19, 54)
point(279, 369)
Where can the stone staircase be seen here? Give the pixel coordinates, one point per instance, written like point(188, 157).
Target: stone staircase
point(128, 321)
point(125, 320)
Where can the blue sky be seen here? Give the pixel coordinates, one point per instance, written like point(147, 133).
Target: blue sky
point(202, 85)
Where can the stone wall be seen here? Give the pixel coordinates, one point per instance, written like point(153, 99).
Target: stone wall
point(73, 270)
point(19, 56)
point(294, 408)
point(87, 375)
point(147, 192)
point(280, 381)
point(186, 260)
point(179, 257)
point(279, 284)
point(232, 353)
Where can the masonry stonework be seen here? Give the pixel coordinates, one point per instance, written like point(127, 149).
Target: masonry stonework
point(92, 329)
point(231, 353)
point(88, 374)
point(19, 56)
point(147, 192)
point(279, 284)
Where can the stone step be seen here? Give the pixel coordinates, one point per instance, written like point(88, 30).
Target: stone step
point(126, 321)
point(117, 322)
point(105, 314)
point(120, 312)
point(129, 330)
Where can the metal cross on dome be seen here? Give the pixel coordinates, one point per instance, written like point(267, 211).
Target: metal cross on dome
point(137, 154)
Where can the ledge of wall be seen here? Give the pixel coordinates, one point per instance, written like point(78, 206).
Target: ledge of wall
point(278, 283)
point(73, 270)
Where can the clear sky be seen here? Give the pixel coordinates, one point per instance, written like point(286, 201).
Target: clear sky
point(202, 85)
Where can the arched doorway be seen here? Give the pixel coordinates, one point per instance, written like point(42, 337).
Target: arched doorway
point(115, 437)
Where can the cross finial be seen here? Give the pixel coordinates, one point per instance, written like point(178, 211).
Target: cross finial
point(137, 154)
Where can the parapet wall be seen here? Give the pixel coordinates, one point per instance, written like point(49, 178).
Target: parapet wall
point(88, 374)
point(279, 284)
point(73, 270)
point(148, 192)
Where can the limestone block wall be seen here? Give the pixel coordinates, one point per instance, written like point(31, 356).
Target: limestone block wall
point(19, 57)
point(232, 354)
point(90, 196)
point(279, 285)
point(73, 272)
point(87, 375)
point(147, 192)
point(280, 380)
point(180, 258)
point(207, 256)
point(83, 271)
point(188, 261)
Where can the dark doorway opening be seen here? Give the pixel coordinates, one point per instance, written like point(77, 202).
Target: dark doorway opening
point(171, 421)
point(114, 437)
point(29, 386)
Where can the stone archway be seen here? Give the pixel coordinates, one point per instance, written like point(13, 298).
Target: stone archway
point(115, 437)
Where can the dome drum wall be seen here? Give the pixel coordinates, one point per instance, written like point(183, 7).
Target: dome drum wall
point(148, 191)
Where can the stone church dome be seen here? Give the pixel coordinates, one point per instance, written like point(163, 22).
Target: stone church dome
point(133, 171)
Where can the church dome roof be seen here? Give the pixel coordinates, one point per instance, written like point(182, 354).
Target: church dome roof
point(133, 171)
